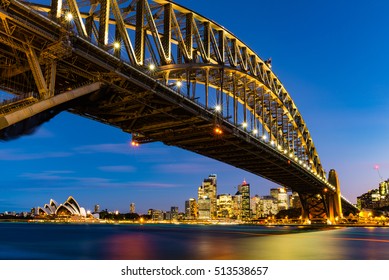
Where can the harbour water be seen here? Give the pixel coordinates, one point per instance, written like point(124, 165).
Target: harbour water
point(29, 241)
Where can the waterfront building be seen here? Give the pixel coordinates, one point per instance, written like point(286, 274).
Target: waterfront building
point(191, 211)
point(268, 206)
point(132, 208)
point(294, 200)
point(369, 200)
point(384, 188)
point(156, 215)
point(375, 198)
point(208, 190)
point(67, 209)
point(224, 206)
point(244, 190)
point(237, 206)
point(254, 204)
point(97, 208)
point(281, 195)
point(204, 207)
point(174, 213)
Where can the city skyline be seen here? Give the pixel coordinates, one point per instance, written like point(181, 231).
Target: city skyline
point(333, 68)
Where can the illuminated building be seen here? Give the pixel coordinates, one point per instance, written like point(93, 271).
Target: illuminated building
point(384, 188)
point(224, 206)
point(204, 207)
point(254, 204)
point(191, 211)
point(241, 202)
point(369, 200)
point(208, 191)
point(282, 198)
point(97, 208)
point(156, 215)
point(174, 212)
point(294, 200)
point(237, 206)
point(132, 208)
point(268, 206)
point(69, 208)
point(244, 190)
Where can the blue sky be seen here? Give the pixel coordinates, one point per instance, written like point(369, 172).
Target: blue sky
point(332, 58)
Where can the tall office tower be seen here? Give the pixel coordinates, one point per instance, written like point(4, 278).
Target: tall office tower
point(208, 190)
point(97, 208)
point(132, 208)
point(244, 190)
point(191, 211)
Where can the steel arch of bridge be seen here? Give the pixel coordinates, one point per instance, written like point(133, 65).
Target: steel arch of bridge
point(187, 47)
point(175, 46)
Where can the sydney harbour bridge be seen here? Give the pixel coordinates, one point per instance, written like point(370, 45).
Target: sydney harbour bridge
point(160, 72)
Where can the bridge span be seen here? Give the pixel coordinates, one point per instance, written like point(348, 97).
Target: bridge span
point(160, 72)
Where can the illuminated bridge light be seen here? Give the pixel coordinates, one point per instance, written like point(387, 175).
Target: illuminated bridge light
point(134, 143)
point(69, 16)
point(218, 130)
point(255, 131)
point(218, 108)
point(152, 67)
point(244, 124)
point(116, 45)
point(264, 137)
point(179, 84)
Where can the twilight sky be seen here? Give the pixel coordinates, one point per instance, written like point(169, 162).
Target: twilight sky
point(331, 56)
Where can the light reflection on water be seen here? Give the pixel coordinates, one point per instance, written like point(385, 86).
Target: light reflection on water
point(82, 241)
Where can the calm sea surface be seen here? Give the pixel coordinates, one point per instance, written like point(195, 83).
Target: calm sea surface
point(120, 242)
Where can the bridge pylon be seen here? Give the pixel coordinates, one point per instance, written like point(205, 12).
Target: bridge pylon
point(335, 207)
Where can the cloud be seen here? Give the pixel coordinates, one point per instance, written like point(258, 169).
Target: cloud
point(17, 154)
point(61, 180)
point(124, 149)
point(104, 148)
point(183, 168)
point(48, 175)
point(118, 168)
point(42, 132)
point(155, 185)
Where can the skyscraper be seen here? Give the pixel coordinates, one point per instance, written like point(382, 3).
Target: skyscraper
point(208, 191)
point(191, 211)
point(244, 190)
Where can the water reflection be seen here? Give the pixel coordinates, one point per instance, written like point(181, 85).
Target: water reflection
point(47, 241)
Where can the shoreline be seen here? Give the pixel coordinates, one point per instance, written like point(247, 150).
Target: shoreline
point(200, 223)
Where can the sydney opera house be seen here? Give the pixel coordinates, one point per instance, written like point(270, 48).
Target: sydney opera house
point(67, 209)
